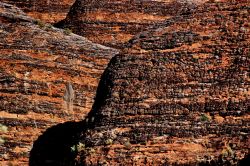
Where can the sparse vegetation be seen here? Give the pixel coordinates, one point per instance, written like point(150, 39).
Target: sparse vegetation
point(91, 150)
point(109, 142)
point(204, 118)
point(227, 151)
point(40, 23)
point(127, 145)
point(153, 106)
point(2, 141)
point(137, 149)
point(4, 129)
point(67, 31)
point(78, 148)
point(49, 27)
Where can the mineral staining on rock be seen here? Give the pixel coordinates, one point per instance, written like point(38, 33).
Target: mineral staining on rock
point(50, 11)
point(113, 23)
point(179, 95)
point(36, 63)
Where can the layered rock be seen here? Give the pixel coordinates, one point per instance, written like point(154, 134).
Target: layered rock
point(179, 96)
point(50, 11)
point(47, 76)
point(113, 23)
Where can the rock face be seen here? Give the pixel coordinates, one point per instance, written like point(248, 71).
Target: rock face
point(47, 76)
point(113, 23)
point(179, 96)
point(50, 11)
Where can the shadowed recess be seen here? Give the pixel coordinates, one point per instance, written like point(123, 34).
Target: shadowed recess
point(55, 145)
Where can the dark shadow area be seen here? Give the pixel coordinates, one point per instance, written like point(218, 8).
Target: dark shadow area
point(246, 160)
point(103, 91)
point(53, 147)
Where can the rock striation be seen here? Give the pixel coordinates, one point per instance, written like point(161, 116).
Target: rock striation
point(113, 23)
point(50, 11)
point(47, 76)
point(179, 95)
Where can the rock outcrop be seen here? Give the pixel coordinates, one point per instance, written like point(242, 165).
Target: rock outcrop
point(113, 23)
point(47, 76)
point(180, 95)
point(50, 11)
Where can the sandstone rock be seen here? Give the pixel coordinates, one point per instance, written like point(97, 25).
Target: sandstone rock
point(43, 70)
point(50, 11)
point(170, 87)
point(113, 23)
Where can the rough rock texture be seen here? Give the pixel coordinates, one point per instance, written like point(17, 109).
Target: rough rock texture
point(50, 11)
point(179, 96)
point(113, 23)
point(47, 76)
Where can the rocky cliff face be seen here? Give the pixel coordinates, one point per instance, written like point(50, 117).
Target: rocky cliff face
point(113, 23)
point(47, 76)
point(50, 11)
point(178, 96)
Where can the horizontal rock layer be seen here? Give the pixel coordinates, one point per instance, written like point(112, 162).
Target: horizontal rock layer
point(47, 76)
point(178, 96)
point(113, 23)
point(50, 11)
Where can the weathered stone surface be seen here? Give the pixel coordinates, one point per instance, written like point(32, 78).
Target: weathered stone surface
point(50, 11)
point(179, 96)
point(113, 23)
point(47, 76)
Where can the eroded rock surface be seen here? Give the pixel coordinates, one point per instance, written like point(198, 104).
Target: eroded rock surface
point(178, 96)
point(113, 23)
point(47, 76)
point(50, 11)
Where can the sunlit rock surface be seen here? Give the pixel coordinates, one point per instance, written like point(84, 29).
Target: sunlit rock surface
point(113, 23)
point(47, 76)
point(178, 96)
point(50, 11)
